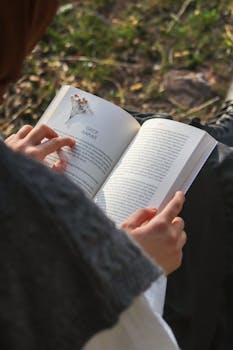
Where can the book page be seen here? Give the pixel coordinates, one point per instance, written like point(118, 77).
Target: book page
point(149, 168)
point(102, 131)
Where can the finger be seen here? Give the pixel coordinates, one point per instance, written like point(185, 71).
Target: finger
point(53, 145)
point(139, 217)
point(174, 207)
point(183, 239)
point(39, 133)
point(24, 131)
point(9, 138)
point(178, 224)
point(60, 166)
point(178, 256)
point(62, 155)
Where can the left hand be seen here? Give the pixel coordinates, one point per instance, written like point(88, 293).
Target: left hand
point(160, 235)
point(28, 140)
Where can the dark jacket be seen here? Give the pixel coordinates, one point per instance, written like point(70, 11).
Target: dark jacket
point(199, 305)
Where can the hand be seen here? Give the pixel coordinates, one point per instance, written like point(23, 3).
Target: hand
point(29, 141)
point(160, 235)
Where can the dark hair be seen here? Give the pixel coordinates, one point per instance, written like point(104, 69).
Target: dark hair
point(22, 24)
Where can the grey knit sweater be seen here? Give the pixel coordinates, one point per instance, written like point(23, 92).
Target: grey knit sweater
point(66, 272)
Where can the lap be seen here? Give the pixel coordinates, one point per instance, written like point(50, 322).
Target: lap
point(197, 301)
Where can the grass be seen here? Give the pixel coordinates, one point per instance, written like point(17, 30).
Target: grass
point(122, 51)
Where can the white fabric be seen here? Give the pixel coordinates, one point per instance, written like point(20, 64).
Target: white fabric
point(155, 295)
point(139, 328)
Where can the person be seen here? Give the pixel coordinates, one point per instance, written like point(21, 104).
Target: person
point(66, 271)
point(198, 302)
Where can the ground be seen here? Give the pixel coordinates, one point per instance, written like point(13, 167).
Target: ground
point(154, 55)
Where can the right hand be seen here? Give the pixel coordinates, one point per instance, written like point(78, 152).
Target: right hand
point(160, 235)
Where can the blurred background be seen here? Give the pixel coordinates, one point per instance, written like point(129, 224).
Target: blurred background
point(164, 56)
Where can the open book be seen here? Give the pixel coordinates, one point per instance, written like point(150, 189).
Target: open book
point(121, 165)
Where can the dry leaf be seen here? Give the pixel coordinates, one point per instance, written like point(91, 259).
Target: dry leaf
point(136, 87)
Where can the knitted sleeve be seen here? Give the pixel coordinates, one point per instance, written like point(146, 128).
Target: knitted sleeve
point(66, 271)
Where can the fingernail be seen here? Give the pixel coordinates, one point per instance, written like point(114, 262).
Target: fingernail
point(152, 208)
point(62, 161)
point(180, 193)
